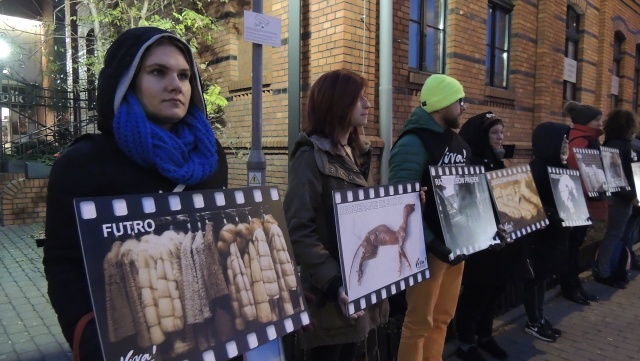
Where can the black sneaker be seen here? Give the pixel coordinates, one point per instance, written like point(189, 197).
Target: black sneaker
point(491, 347)
point(540, 331)
point(550, 327)
point(472, 354)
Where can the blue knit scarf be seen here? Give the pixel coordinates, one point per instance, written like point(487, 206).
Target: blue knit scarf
point(186, 154)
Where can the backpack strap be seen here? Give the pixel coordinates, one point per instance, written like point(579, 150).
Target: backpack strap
point(77, 334)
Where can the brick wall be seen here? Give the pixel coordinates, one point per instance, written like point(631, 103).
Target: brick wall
point(23, 200)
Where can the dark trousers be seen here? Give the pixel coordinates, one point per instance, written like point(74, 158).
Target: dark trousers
point(533, 299)
point(570, 280)
point(341, 352)
point(476, 309)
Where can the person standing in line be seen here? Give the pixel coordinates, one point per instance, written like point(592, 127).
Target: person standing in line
point(587, 128)
point(486, 273)
point(329, 155)
point(633, 226)
point(619, 129)
point(155, 138)
point(547, 247)
point(428, 138)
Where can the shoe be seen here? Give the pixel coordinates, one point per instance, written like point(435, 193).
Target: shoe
point(577, 297)
point(608, 281)
point(550, 327)
point(472, 354)
point(491, 347)
point(540, 331)
point(587, 295)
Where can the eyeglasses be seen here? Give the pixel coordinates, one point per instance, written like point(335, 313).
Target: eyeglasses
point(461, 102)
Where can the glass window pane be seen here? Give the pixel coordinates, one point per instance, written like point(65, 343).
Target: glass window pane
point(571, 50)
point(414, 10)
point(490, 26)
point(569, 91)
point(572, 21)
point(500, 69)
point(432, 51)
point(502, 29)
point(487, 62)
point(434, 10)
point(414, 45)
point(616, 68)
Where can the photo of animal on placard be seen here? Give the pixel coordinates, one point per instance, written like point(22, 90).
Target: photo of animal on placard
point(516, 198)
point(381, 241)
point(591, 169)
point(464, 207)
point(568, 196)
point(613, 168)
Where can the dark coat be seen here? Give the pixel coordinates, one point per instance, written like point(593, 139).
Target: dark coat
point(316, 169)
point(489, 267)
point(548, 246)
point(94, 166)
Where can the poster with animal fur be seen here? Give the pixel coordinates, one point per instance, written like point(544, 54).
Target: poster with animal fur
point(381, 241)
point(612, 163)
point(464, 207)
point(568, 196)
point(203, 275)
point(591, 171)
point(516, 198)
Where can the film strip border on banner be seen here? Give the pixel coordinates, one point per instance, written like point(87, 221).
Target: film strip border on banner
point(575, 173)
point(163, 204)
point(508, 171)
point(456, 170)
point(353, 195)
point(594, 152)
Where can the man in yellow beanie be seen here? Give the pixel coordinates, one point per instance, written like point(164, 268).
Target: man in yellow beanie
point(428, 138)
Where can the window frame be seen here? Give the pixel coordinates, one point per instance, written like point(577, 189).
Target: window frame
point(422, 22)
point(572, 37)
point(491, 46)
point(618, 55)
point(636, 81)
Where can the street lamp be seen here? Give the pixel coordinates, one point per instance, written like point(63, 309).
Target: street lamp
point(4, 49)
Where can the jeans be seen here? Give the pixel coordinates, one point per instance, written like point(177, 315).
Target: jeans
point(570, 280)
point(619, 213)
point(631, 229)
point(533, 299)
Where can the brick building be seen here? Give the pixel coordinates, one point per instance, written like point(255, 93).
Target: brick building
point(509, 55)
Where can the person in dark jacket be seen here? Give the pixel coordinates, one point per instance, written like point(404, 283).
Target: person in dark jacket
point(487, 272)
point(548, 246)
point(428, 138)
point(619, 129)
point(329, 155)
point(587, 128)
point(155, 138)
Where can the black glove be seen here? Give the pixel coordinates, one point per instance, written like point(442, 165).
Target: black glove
point(500, 236)
point(555, 219)
point(442, 252)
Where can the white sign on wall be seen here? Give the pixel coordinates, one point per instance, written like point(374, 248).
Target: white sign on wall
point(570, 70)
point(262, 29)
point(615, 84)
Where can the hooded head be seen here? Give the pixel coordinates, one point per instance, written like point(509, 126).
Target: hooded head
point(581, 113)
point(121, 64)
point(475, 131)
point(547, 141)
point(439, 91)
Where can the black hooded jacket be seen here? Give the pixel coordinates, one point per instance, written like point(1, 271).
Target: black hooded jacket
point(475, 131)
point(548, 246)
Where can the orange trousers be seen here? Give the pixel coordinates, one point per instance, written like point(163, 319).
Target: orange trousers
point(431, 304)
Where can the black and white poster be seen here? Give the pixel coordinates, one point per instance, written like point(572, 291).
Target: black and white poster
point(591, 170)
point(616, 180)
point(636, 177)
point(464, 207)
point(516, 197)
point(382, 249)
point(568, 195)
point(204, 275)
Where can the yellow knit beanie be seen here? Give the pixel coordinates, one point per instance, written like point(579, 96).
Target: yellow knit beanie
point(439, 91)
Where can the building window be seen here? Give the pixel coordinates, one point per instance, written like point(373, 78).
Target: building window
point(636, 82)
point(497, 56)
point(618, 53)
point(426, 35)
point(571, 50)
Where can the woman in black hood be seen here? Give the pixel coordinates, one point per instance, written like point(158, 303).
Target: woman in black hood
point(487, 272)
point(155, 138)
point(548, 246)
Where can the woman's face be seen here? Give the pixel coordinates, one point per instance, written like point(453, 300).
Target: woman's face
point(496, 135)
point(596, 123)
point(360, 112)
point(162, 85)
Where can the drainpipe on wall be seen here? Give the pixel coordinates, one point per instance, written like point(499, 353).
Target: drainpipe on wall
point(386, 85)
point(293, 86)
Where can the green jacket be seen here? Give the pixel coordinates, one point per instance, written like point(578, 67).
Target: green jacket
point(409, 159)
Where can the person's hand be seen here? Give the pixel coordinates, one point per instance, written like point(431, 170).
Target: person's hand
point(343, 302)
point(423, 195)
point(442, 252)
point(501, 235)
point(555, 219)
point(636, 202)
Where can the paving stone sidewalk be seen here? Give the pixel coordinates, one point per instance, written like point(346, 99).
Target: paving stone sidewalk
point(29, 329)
